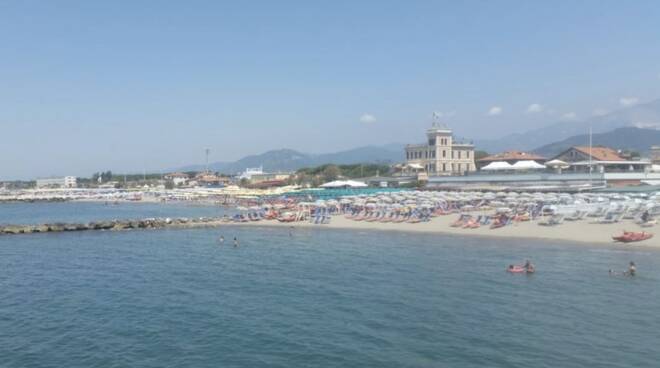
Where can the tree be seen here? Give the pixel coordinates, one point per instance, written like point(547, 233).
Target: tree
point(330, 173)
point(480, 154)
point(169, 184)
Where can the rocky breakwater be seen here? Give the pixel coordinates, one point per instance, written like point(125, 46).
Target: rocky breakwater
point(113, 225)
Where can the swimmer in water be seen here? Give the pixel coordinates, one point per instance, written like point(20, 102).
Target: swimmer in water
point(222, 239)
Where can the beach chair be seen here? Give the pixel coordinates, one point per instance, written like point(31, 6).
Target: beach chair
point(552, 221)
point(461, 220)
point(577, 215)
point(609, 218)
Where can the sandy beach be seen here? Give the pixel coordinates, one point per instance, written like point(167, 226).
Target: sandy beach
point(579, 231)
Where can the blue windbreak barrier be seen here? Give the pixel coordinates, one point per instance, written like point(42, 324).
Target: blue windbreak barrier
point(336, 193)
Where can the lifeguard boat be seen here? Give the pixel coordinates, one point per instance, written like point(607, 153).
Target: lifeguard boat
point(631, 236)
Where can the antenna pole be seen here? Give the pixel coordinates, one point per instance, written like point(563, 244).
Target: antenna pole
point(590, 153)
point(207, 151)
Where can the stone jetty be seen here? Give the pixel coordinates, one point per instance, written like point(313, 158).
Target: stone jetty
point(114, 225)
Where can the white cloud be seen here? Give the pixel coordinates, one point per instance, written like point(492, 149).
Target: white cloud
point(367, 118)
point(600, 112)
point(628, 101)
point(569, 116)
point(495, 110)
point(534, 108)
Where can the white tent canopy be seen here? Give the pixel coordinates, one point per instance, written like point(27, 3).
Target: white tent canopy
point(497, 165)
point(344, 184)
point(527, 165)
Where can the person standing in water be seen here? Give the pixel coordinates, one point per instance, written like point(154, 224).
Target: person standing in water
point(222, 239)
point(235, 242)
point(632, 269)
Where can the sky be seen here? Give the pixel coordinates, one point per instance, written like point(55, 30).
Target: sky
point(128, 86)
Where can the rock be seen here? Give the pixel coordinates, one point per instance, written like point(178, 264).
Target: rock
point(56, 227)
point(104, 225)
point(41, 229)
point(70, 227)
point(12, 229)
point(120, 226)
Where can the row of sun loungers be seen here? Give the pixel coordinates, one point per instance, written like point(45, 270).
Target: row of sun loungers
point(395, 217)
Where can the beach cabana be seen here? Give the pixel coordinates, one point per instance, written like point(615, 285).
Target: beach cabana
point(497, 166)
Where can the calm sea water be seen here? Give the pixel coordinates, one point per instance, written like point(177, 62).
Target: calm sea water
point(39, 213)
point(319, 298)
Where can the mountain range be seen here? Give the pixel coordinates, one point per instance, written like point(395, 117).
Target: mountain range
point(630, 138)
point(291, 160)
point(633, 128)
point(640, 116)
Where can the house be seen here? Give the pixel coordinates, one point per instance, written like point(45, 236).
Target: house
point(64, 182)
point(601, 160)
point(208, 179)
point(655, 155)
point(584, 153)
point(441, 154)
point(177, 178)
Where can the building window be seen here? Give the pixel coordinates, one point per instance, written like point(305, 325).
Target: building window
point(452, 156)
point(444, 153)
point(444, 167)
point(433, 153)
point(459, 156)
point(467, 154)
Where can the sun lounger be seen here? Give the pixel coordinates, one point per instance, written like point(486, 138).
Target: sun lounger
point(552, 220)
point(610, 218)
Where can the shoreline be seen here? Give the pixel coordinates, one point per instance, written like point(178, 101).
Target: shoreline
point(576, 232)
point(571, 232)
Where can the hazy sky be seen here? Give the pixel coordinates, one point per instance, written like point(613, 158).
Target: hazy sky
point(132, 85)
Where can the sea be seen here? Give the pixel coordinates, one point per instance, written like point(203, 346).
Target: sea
point(313, 297)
